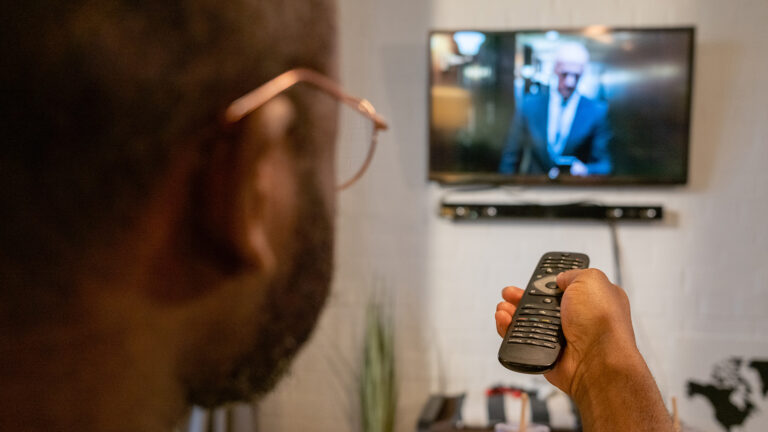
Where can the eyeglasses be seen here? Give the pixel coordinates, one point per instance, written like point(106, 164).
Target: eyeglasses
point(251, 101)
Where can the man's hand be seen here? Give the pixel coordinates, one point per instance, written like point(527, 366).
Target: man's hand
point(579, 169)
point(600, 367)
point(595, 317)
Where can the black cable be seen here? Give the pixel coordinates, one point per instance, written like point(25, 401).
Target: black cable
point(616, 251)
point(640, 330)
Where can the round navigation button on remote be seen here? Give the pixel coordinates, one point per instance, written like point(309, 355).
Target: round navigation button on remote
point(543, 285)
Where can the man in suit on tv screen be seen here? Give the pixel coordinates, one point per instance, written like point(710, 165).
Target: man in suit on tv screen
point(560, 131)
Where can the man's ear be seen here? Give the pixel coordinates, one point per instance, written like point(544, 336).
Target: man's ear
point(248, 188)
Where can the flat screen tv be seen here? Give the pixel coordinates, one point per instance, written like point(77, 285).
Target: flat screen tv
point(592, 106)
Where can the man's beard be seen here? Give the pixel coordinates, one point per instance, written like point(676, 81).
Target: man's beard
point(288, 313)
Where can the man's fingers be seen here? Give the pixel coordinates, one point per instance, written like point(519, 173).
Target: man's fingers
point(566, 278)
point(506, 307)
point(512, 294)
point(503, 319)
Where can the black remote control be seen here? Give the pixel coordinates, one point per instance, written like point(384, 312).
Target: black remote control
point(535, 338)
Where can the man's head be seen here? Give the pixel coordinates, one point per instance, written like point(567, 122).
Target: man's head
point(570, 60)
point(125, 209)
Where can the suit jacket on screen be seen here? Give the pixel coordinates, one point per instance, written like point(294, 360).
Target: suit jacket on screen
point(526, 151)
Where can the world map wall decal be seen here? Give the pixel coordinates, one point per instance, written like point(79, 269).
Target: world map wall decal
point(732, 397)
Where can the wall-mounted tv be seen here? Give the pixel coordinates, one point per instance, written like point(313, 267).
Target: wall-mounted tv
point(592, 106)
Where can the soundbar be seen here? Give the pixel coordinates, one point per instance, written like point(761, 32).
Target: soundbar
point(588, 211)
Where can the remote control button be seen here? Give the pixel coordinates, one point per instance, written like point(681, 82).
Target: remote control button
point(547, 285)
point(542, 312)
point(548, 303)
point(522, 341)
point(519, 335)
point(528, 306)
point(549, 270)
point(543, 337)
point(539, 276)
point(543, 344)
point(565, 254)
point(542, 331)
point(547, 320)
point(549, 326)
point(534, 319)
point(524, 324)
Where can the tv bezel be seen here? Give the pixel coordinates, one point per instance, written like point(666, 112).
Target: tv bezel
point(458, 178)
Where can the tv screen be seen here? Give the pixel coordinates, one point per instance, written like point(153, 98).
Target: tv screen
point(589, 106)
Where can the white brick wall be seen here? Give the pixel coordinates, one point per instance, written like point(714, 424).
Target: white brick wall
point(703, 275)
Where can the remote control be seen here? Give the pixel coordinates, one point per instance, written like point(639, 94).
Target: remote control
point(535, 338)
